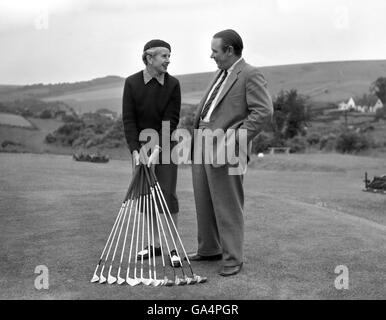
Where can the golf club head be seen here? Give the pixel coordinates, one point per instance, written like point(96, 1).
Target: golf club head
point(111, 279)
point(190, 281)
point(167, 282)
point(156, 283)
point(179, 281)
point(102, 279)
point(146, 282)
point(133, 282)
point(95, 278)
point(120, 280)
point(200, 279)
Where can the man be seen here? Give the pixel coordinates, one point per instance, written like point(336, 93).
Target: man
point(237, 98)
point(150, 97)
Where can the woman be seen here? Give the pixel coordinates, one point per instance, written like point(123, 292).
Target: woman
point(150, 97)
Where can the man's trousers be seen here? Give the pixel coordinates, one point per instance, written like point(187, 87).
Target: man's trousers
point(219, 199)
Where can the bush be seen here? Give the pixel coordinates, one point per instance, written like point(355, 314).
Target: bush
point(116, 132)
point(297, 144)
point(45, 114)
point(313, 138)
point(26, 113)
point(380, 113)
point(93, 142)
point(290, 113)
point(186, 122)
point(70, 118)
point(328, 142)
point(111, 144)
point(50, 138)
point(262, 142)
point(351, 142)
point(6, 143)
point(68, 133)
point(91, 130)
point(83, 138)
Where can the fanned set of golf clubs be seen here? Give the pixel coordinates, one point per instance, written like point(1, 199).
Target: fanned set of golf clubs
point(139, 215)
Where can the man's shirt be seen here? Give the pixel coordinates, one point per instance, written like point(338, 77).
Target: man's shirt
point(207, 117)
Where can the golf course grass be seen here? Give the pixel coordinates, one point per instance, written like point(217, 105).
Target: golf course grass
point(304, 216)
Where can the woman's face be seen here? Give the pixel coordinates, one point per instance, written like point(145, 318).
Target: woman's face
point(160, 60)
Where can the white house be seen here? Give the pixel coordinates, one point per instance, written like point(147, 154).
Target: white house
point(347, 106)
point(378, 105)
point(342, 106)
point(350, 105)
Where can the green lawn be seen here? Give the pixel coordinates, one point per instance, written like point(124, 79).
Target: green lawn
point(304, 214)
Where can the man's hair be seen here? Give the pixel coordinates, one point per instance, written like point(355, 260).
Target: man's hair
point(230, 38)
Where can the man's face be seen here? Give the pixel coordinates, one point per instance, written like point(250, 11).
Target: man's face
point(223, 59)
point(160, 60)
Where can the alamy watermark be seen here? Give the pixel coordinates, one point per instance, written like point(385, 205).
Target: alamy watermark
point(342, 280)
point(42, 281)
point(216, 147)
point(41, 20)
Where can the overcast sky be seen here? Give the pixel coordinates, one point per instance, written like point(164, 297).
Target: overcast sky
point(53, 41)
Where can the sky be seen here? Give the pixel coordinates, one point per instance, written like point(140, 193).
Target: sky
point(51, 41)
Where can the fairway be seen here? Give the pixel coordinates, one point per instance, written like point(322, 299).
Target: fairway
point(304, 216)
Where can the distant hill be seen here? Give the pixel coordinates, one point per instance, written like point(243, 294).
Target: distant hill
point(7, 88)
point(41, 90)
point(322, 82)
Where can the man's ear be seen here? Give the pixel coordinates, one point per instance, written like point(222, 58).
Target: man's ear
point(231, 51)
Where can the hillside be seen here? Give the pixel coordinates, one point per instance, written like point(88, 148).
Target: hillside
point(323, 82)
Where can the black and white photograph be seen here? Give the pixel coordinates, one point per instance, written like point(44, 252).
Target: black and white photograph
point(192, 151)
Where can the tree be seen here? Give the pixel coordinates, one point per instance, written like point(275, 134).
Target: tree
point(366, 100)
point(380, 114)
point(46, 114)
point(378, 87)
point(290, 114)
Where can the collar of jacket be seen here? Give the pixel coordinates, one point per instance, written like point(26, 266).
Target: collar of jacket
point(237, 68)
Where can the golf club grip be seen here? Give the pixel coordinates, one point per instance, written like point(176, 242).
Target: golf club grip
point(148, 177)
point(141, 181)
point(148, 185)
point(132, 185)
point(153, 177)
point(136, 183)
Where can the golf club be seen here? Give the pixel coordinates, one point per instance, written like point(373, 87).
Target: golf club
point(144, 201)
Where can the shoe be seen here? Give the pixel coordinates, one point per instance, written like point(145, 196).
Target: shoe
point(145, 252)
point(175, 260)
point(227, 271)
point(197, 257)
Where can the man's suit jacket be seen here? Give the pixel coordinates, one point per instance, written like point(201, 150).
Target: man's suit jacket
point(243, 103)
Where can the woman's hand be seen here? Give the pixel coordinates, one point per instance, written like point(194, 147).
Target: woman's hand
point(153, 159)
point(135, 157)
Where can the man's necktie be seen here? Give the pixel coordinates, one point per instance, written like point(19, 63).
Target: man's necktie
point(212, 96)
